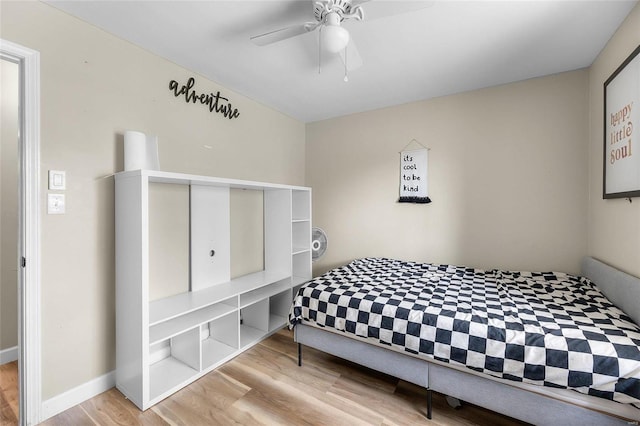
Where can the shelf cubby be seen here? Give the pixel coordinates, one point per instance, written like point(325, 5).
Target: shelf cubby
point(300, 205)
point(301, 267)
point(279, 305)
point(166, 375)
point(182, 362)
point(223, 340)
point(301, 236)
point(255, 322)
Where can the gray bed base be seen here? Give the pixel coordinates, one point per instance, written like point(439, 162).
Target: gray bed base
point(531, 407)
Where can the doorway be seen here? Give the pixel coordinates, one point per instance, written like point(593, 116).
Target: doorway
point(27, 249)
point(9, 161)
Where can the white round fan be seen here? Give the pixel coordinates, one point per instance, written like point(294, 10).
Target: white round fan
point(318, 243)
point(328, 17)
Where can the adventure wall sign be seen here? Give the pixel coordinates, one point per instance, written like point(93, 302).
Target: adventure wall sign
point(216, 103)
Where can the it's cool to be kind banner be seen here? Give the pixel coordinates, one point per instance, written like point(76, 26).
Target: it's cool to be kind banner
point(413, 177)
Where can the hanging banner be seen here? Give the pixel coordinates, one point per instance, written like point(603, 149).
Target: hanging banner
point(413, 177)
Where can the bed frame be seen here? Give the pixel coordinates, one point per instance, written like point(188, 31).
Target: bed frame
point(529, 403)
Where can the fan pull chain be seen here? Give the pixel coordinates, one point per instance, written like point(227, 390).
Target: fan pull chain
point(346, 77)
point(319, 49)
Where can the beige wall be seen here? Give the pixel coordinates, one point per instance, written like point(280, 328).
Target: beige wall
point(614, 224)
point(507, 176)
point(9, 205)
point(93, 88)
point(508, 172)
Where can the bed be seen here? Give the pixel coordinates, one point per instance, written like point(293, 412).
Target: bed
point(545, 348)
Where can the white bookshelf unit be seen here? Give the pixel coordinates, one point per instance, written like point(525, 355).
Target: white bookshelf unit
point(165, 344)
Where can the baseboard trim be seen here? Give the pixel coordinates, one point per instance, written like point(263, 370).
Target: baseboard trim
point(8, 355)
point(77, 395)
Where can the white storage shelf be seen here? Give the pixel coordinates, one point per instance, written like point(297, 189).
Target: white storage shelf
point(214, 351)
point(163, 330)
point(255, 322)
point(300, 237)
point(250, 335)
point(180, 304)
point(182, 337)
point(264, 292)
point(301, 204)
point(167, 376)
point(279, 309)
point(301, 267)
point(223, 341)
point(181, 364)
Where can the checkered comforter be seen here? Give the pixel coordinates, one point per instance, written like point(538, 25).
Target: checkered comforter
point(545, 328)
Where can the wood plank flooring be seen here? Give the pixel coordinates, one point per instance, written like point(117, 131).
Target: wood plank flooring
point(9, 393)
point(264, 385)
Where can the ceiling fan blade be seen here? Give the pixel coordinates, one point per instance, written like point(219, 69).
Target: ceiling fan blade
point(284, 33)
point(351, 57)
point(355, 3)
point(382, 9)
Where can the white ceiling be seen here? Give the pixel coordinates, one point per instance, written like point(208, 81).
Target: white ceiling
point(443, 47)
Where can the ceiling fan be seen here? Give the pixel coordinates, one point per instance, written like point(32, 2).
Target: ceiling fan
point(328, 14)
point(333, 37)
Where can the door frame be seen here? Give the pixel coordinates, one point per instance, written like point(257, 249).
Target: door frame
point(29, 341)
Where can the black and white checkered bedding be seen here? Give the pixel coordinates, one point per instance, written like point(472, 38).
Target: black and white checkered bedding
point(550, 329)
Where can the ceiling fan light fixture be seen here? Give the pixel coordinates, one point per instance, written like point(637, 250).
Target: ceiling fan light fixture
point(334, 38)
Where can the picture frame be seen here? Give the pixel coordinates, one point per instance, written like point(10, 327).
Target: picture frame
point(621, 162)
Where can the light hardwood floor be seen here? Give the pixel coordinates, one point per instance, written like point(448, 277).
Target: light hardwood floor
point(264, 385)
point(9, 393)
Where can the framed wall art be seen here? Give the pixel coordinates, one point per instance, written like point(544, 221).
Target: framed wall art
point(621, 174)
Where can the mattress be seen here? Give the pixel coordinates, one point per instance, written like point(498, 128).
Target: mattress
point(542, 328)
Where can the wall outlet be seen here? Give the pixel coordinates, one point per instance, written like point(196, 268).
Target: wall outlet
point(55, 203)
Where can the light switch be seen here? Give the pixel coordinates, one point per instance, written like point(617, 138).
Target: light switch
point(57, 180)
point(55, 203)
